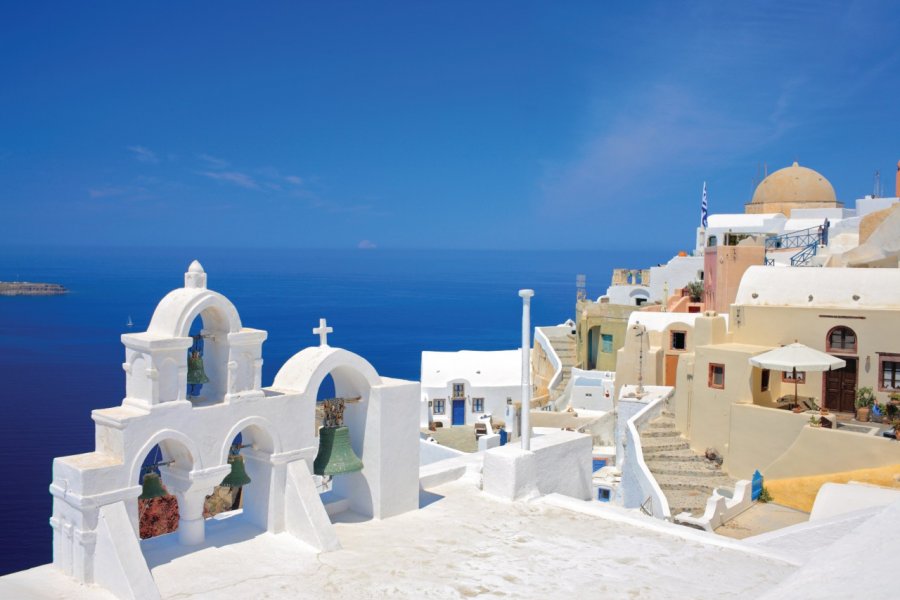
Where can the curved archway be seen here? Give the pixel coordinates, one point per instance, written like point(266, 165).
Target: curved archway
point(174, 445)
point(353, 375)
point(255, 431)
point(160, 515)
point(175, 313)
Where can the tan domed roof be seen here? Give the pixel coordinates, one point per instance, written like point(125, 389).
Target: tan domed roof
point(794, 184)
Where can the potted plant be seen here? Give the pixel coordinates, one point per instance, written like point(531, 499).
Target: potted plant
point(695, 290)
point(896, 425)
point(890, 411)
point(865, 398)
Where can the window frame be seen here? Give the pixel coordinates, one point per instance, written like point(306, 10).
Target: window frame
point(434, 406)
point(711, 376)
point(892, 358)
point(672, 334)
point(787, 377)
point(462, 388)
point(603, 338)
point(843, 329)
point(475, 403)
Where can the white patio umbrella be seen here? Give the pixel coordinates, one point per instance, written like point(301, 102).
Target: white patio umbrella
point(796, 357)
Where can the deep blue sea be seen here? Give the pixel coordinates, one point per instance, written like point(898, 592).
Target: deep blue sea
point(61, 356)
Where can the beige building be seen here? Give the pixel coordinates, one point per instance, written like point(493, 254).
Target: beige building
point(600, 333)
point(722, 402)
point(665, 336)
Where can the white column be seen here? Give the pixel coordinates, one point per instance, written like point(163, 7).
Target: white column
point(526, 367)
point(191, 524)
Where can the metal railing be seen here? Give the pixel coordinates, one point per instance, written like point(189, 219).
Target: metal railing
point(808, 240)
point(803, 258)
point(795, 239)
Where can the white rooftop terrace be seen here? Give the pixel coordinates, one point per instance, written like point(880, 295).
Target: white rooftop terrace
point(480, 368)
point(463, 543)
point(838, 287)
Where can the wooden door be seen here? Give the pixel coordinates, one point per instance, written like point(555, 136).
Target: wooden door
point(840, 387)
point(671, 368)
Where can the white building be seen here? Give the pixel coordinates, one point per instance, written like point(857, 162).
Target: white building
point(459, 387)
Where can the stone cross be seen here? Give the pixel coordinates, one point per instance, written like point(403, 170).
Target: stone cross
point(322, 331)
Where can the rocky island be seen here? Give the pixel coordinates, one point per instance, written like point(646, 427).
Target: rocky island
point(27, 288)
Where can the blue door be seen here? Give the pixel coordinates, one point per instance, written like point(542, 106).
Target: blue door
point(459, 412)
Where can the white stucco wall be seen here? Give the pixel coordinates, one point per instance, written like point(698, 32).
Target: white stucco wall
point(677, 273)
point(559, 462)
point(592, 390)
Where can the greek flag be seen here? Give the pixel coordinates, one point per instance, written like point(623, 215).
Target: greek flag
point(703, 209)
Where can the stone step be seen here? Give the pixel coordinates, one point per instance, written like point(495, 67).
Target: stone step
point(692, 501)
point(660, 433)
point(686, 456)
point(651, 446)
point(686, 468)
point(659, 424)
point(688, 483)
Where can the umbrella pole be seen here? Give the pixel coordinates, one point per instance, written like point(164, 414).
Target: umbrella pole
point(796, 398)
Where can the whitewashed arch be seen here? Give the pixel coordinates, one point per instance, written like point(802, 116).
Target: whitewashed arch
point(190, 452)
point(305, 371)
point(175, 313)
point(271, 442)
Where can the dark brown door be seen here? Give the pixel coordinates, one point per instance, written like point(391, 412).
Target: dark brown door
point(840, 387)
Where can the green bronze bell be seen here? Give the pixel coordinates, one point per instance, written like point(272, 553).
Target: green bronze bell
point(196, 375)
point(238, 476)
point(152, 487)
point(335, 455)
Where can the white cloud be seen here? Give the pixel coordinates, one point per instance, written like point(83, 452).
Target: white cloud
point(144, 155)
point(234, 177)
point(668, 129)
point(294, 179)
point(214, 162)
point(366, 245)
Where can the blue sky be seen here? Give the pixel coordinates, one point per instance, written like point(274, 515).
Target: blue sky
point(429, 124)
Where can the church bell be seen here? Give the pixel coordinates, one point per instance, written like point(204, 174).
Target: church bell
point(196, 375)
point(238, 476)
point(335, 455)
point(152, 487)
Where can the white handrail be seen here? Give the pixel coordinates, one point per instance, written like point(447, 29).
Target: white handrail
point(649, 487)
point(552, 356)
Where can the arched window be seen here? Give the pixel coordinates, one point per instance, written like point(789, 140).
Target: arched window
point(841, 339)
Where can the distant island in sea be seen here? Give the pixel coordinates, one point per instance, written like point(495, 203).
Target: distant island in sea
point(28, 288)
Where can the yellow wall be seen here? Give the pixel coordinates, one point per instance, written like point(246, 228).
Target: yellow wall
point(759, 436)
point(610, 319)
point(876, 330)
point(817, 451)
point(711, 408)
